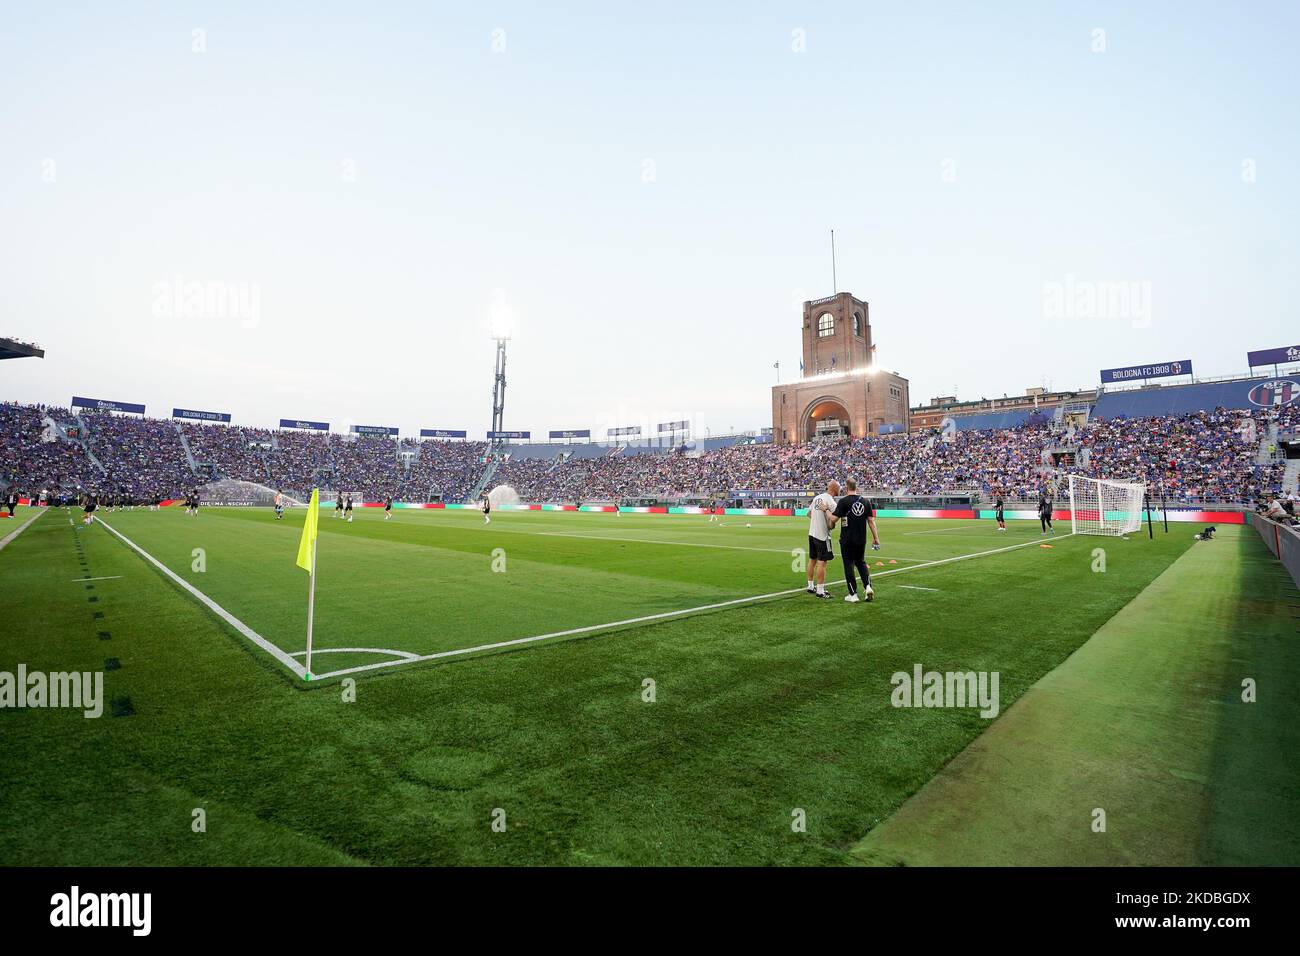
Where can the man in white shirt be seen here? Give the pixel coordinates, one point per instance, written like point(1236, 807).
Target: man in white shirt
point(819, 539)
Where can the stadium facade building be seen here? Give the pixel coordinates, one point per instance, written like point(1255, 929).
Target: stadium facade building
point(840, 391)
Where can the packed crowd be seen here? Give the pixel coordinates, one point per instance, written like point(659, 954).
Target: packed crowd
point(34, 455)
point(1201, 456)
point(1204, 456)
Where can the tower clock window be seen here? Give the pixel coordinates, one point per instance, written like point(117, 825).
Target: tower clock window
point(825, 325)
point(857, 323)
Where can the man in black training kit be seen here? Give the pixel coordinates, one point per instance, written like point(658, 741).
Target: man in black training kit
point(338, 505)
point(855, 515)
point(1045, 513)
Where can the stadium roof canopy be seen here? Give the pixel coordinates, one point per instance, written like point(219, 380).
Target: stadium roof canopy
point(12, 348)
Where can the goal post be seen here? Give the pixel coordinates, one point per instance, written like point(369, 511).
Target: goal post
point(1103, 506)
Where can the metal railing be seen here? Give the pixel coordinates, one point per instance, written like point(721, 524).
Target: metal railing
point(1283, 541)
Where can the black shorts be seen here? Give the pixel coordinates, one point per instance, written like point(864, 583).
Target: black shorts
point(819, 550)
point(388, 507)
point(1000, 516)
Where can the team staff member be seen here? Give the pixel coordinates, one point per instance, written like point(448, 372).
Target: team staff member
point(855, 516)
point(819, 539)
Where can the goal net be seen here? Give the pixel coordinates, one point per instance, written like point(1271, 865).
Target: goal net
point(1100, 506)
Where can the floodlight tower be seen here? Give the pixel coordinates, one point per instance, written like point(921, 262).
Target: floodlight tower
point(501, 331)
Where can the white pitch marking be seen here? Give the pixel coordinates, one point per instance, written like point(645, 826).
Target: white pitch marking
point(663, 615)
point(20, 529)
point(914, 587)
point(973, 527)
point(406, 655)
point(680, 544)
point(110, 577)
point(212, 605)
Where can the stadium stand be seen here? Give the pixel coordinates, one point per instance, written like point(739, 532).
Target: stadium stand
point(1242, 393)
point(1220, 455)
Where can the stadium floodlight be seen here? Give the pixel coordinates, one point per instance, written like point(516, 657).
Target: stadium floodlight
point(501, 321)
point(1101, 506)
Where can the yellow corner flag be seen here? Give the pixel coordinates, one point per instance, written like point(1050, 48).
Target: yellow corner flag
point(307, 547)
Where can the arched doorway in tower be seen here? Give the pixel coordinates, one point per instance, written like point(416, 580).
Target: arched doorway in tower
point(827, 418)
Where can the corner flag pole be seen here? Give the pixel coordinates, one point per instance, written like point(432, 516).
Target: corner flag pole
point(311, 604)
point(307, 561)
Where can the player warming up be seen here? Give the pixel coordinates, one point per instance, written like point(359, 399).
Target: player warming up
point(855, 515)
point(338, 506)
point(279, 506)
point(1045, 513)
point(388, 507)
point(347, 509)
point(487, 509)
point(819, 539)
point(1000, 514)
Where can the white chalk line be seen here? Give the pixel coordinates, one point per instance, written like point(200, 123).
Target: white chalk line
point(109, 577)
point(406, 655)
point(972, 527)
point(662, 616)
point(285, 659)
point(914, 587)
point(20, 529)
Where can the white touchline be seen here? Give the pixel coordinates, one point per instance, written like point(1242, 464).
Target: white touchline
point(664, 615)
point(969, 527)
point(914, 587)
point(285, 659)
point(20, 529)
point(679, 544)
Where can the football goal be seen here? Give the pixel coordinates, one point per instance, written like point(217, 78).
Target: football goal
point(1100, 506)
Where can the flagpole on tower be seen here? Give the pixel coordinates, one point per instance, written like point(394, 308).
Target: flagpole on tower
point(835, 282)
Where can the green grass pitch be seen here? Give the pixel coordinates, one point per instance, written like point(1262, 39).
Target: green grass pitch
point(771, 706)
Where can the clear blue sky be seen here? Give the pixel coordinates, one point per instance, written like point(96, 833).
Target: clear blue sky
point(518, 176)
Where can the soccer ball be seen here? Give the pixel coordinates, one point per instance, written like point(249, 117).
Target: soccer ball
point(748, 525)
